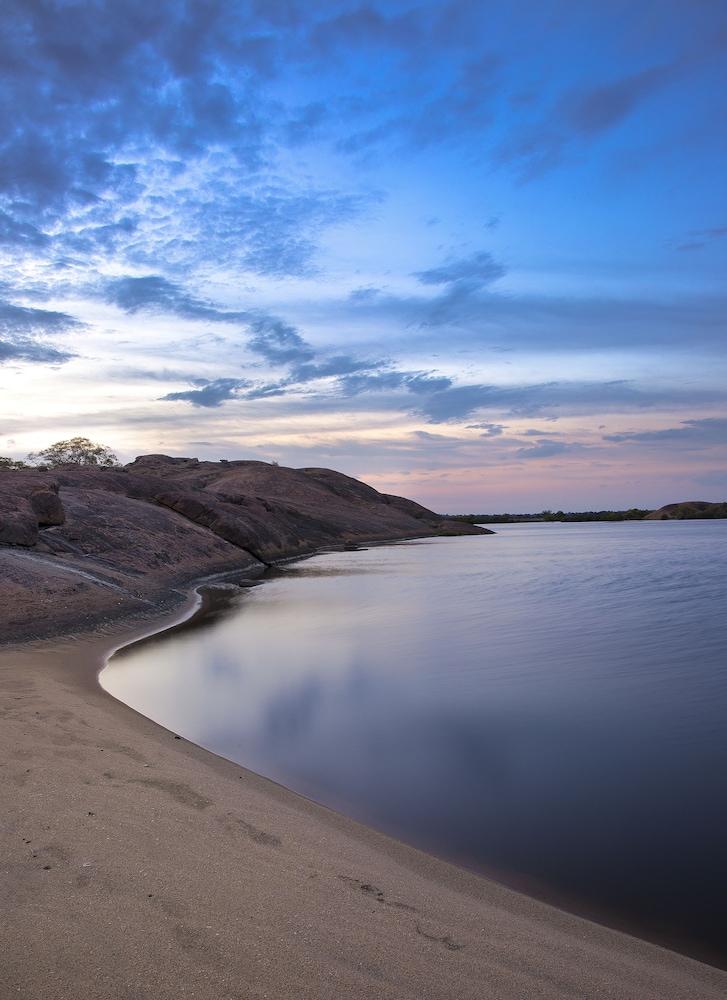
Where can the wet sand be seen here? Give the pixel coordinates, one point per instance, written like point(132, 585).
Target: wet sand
point(137, 865)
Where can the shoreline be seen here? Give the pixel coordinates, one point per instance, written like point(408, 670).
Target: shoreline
point(213, 596)
point(408, 923)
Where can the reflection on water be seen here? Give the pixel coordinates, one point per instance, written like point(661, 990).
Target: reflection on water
point(547, 704)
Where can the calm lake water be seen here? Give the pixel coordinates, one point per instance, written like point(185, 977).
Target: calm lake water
point(547, 705)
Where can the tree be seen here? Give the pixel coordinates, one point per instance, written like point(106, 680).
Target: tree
point(75, 451)
point(12, 463)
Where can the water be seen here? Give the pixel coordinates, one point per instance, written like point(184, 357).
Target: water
point(546, 705)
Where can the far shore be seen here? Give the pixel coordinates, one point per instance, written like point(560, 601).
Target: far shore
point(138, 864)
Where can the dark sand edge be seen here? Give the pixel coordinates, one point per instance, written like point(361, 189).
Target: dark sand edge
point(597, 958)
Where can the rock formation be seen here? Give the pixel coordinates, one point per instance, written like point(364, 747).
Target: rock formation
point(82, 544)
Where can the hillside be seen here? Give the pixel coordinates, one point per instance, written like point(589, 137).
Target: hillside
point(82, 545)
point(688, 510)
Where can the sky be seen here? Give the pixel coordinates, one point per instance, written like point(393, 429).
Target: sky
point(470, 252)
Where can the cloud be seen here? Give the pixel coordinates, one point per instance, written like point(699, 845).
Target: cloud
point(42, 165)
point(20, 328)
point(99, 236)
point(267, 390)
point(700, 237)
point(26, 320)
point(19, 234)
point(273, 231)
point(356, 385)
point(487, 318)
point(419, 383)
point(548, 449)
point(155, 293)
point(363, 295)
point(462, 280)
point(556, 398)
point(132, 374)
point(141, 72)
point(425, 382)
point(490, 430)
point(433, 85)
point(147, 133)
point(347, 29)
point(28, 350)
point(602, 107)
point(712, 233)
point(306, 122)
point(212, 394)
point(428, 436)
point(450, 111)
point(278, 342)
point(579, 117)
point(339, 364)
point(475, 272)
point(702, 433)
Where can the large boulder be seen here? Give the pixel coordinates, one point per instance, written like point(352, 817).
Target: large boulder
point(47, 505)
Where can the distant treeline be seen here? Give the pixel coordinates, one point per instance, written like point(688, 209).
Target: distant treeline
point(689, 510)
point(634, 514)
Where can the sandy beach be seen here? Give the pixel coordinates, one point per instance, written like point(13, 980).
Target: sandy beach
point(136, 865)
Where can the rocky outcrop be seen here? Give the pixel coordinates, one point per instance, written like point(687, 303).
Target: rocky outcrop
point(26, 505)
point(83, 541)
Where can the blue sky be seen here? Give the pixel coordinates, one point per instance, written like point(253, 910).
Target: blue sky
point(470, 252)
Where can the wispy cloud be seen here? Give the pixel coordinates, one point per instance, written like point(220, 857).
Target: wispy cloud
point(27, 350)
point(699, 238)
point(279, 342)
point(489, 429)
point(25, 320)
point(580, 116)
point(559, 398)
point(210, 394)
point(599, 108)
point(702, 433)
point(155, 293)
point(549, 449)
point(23, 330)
point(473, 272)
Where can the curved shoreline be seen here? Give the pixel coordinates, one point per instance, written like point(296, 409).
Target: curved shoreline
point(313, 903)
point(207, 596)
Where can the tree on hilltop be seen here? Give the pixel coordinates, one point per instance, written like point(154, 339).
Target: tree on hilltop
point(75, 451)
